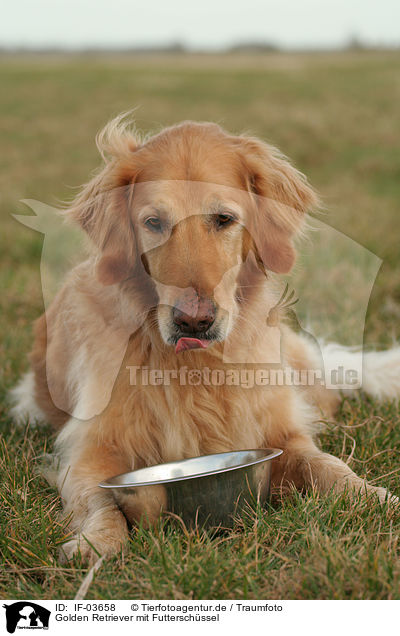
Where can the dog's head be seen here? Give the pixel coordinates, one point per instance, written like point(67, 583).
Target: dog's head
point(179, 215)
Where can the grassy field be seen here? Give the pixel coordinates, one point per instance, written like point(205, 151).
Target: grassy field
point(336, 116)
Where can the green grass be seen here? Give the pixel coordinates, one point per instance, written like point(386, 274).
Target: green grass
point(336, 116)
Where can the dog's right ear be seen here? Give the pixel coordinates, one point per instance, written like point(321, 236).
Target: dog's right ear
point(102, 208)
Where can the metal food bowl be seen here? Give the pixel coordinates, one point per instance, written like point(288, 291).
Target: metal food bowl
point(209, 490)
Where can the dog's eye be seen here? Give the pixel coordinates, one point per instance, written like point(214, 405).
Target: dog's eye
point(154, 224)
point(223, 220)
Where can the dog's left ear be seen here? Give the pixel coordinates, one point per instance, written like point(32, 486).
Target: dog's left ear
point(281, 196)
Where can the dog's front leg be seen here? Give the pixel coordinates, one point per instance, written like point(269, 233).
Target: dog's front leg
point(85, 460)
point(305, 465)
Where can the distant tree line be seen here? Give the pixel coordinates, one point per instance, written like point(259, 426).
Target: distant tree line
point(354, 43)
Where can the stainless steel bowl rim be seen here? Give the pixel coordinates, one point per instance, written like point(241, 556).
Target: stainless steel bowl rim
point(271, 453)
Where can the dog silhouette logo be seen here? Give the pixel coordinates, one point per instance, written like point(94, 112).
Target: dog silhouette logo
point(26, 615)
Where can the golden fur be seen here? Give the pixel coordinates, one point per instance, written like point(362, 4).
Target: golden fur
point(124, 293)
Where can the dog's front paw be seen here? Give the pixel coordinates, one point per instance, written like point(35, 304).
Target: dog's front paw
point(71, 548)
point(90, 548)
point(386, 497)
point(95, 543)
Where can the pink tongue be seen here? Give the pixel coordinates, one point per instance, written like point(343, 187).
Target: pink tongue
point(190, 343)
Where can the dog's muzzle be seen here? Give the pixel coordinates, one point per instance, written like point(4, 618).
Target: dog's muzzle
point(193, 316)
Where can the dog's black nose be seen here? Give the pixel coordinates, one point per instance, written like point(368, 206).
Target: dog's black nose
point(200, 322)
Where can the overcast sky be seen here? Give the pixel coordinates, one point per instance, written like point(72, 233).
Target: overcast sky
point(199, 23)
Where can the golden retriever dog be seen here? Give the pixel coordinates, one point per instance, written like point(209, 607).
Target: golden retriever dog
point(190, 230)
